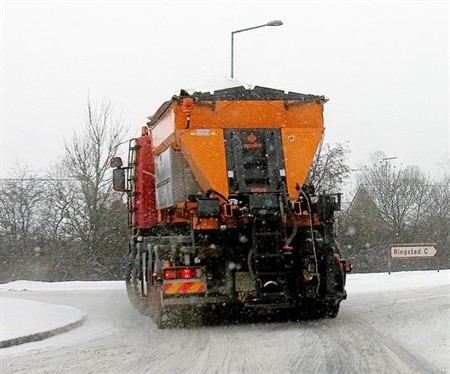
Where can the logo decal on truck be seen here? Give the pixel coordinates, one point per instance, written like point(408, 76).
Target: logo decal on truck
point(251, 138)
point(252, 144)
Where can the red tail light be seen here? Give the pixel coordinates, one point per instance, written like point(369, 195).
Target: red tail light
point(185, 273)
point(170, 274)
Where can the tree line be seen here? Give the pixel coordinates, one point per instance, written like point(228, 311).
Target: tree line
point(395, 205)
point(70, 225)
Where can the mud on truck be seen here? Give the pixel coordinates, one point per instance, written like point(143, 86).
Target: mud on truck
point(219, 210)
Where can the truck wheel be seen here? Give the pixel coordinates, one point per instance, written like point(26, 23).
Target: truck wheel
point(332, 310)
point(158, 314)
point(135, 283)
point(311, 310)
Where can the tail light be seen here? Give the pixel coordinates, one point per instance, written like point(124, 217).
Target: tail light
point(183, 273)
point(188, 273)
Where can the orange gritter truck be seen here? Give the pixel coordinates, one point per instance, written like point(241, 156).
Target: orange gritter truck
point(221, 216)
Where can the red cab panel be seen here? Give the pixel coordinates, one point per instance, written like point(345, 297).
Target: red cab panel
point(145, 215)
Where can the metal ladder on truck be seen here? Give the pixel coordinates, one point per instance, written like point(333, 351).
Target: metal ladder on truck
point(270, 261)
point(131, 169)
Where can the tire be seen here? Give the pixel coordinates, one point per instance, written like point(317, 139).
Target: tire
point(333, 310)
point(158, 314)
point(135, 282)
point(311, 310)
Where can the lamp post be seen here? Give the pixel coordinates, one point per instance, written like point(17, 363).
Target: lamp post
point(271, 23)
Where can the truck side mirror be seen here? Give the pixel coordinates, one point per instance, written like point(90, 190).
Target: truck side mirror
point(119, 182)
point(116, 162)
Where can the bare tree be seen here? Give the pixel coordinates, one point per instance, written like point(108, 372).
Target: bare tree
point(68, 224)
point(20, 208)
point(401, 195)
point(435, 223)
point(19, 200)
point(89, 200)
point(330, 170)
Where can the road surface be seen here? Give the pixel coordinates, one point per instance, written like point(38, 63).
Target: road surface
point(373, 333)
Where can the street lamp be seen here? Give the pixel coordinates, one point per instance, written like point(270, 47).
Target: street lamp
point(271, 23)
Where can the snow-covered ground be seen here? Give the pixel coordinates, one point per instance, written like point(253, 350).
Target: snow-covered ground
point(62, 286)
point(24, 321)
point(390, 323)
point(422, 333)
point(27, 319)
point(408, 280)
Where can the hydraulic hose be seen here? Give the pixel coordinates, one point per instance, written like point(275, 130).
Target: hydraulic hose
point(312, 237)
point(210, 190)
point(294, 219)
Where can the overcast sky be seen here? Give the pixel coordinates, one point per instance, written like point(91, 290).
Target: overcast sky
point(383, 65)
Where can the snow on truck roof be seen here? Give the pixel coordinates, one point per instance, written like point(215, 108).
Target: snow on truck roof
point(243, 93)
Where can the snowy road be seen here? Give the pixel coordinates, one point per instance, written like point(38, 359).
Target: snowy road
point(393, 331)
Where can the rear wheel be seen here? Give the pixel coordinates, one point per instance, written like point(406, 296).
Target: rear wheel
point(310, 310)
point(333, 310)
point(135, 279)
point(157, 312)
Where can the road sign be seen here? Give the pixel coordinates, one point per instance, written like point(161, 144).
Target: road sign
point(413, 250)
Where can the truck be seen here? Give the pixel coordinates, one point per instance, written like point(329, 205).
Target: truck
point(220, 211)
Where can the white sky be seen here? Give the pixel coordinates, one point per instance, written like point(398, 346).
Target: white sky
point(384, 66)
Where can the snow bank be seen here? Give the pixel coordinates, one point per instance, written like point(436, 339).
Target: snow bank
point(376, 282)
point(356, 283)
point(25, 318)
point(23, 285)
